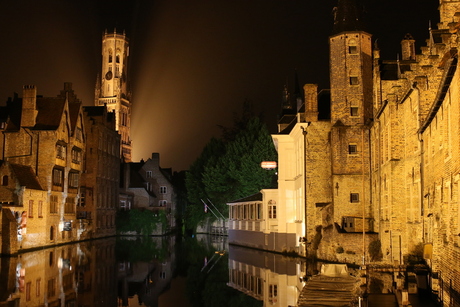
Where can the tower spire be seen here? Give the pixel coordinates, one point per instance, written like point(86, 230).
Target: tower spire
point(347, 17)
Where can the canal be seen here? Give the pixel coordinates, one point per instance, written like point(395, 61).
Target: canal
point(203, 271)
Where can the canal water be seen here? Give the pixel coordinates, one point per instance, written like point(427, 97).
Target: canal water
point(201, 271)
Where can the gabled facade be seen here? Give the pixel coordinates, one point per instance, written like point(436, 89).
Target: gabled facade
point(416, 153)
point(46, 136)
point(147, 186)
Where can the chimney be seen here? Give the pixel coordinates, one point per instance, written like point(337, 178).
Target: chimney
point(156, 159)
point(408, 47)
point(311, 102)
point(29, 106)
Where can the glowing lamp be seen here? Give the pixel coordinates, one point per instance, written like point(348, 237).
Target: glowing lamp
point(268, 164)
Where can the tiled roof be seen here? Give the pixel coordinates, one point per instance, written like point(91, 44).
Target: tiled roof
point(49, 113)
point(26, 176)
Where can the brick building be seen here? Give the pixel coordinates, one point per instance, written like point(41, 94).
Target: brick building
point(376, 163)
point(100, 182)
point(42, 161)
point(147, 186)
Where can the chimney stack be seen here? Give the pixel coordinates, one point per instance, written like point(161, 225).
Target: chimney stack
point(29, 106)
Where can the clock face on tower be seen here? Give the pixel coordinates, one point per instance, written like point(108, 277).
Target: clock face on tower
point(108, 75)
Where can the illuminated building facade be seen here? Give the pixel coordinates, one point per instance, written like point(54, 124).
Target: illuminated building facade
point(100, 182)
point(381, 167)
point(416, 153)
point(112, 86)
point(42, 162)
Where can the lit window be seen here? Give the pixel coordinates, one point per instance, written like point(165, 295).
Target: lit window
point(354, 197)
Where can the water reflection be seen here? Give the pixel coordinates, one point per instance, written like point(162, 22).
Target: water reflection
point(159, 271)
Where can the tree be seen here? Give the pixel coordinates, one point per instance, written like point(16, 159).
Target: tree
point(229, 168)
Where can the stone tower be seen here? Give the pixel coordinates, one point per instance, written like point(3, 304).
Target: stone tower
point(112, 89)
point(351, 113)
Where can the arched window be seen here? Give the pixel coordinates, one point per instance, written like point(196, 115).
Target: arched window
point(5, 180)
point(51, 233)
point(110, 55)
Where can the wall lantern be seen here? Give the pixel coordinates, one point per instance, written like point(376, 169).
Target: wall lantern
point(268, 165)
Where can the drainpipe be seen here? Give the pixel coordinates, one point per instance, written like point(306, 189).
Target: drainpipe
point(304, 132)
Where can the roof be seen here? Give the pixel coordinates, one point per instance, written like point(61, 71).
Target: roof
point(49, 113)
point(74, 110)
point(254, 197)
point(347, 17)
point(26, 176)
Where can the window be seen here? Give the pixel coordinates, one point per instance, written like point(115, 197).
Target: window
point(58, 177)
point(354, 197)
point(28, 286)
point(353, 80)
point(352, 49)
point(148, 186)
point(73, 179)
point(40, 208)
point(354, 111)
point(54, 204)
point(37, 287)
point(110, 56)
point(60, 151)
point(148, 174)
point(163, 190)
point(5, 180)
point(76, 155)
point(79, 134)
point(82, 199)
point(352, 149)
point(162, 203)
point(51, 288)
point(272, 209)
point(31, 208)
point(69, 206)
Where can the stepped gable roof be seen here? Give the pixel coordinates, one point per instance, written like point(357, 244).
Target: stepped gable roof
point(390, 70)
point(26, 176)
point(347, 17)
point(49, 113)
point(13, 110)
point(254, 197)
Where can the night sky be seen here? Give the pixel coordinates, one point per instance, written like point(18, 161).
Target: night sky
point(192, 63)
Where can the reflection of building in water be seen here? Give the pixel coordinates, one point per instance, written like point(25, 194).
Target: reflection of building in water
point(265, 276)
point(145, 281)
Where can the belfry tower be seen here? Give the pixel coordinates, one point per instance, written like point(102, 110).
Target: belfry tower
point(112, 89)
